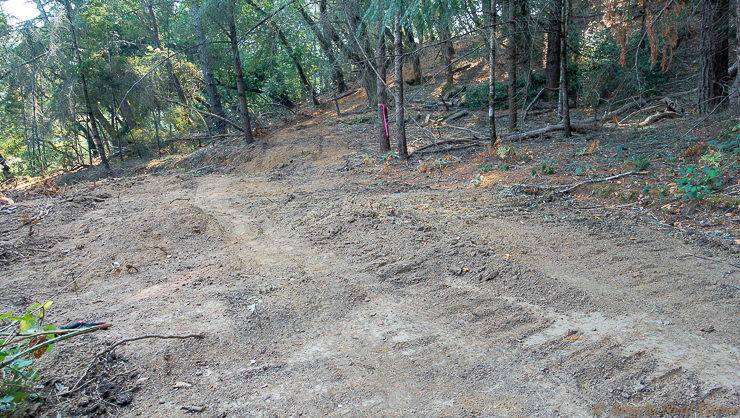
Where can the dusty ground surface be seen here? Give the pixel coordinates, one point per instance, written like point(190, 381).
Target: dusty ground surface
point(329, 284)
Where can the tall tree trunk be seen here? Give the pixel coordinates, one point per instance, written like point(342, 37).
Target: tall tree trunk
point(357, 48)
point(527, 48)
point(291, 53)
point(492, 71)
point(446, 56)
point(157, 118)
point(713, 52)
point(326, 48)
point(301, 74)
point(86, 94)
point(486, 6)
point(383, 139)
point(239, 76)
point(415, 55)
point(204, 55)
point(104, 123)
point(128, 116)
point(511, 57)
point(403, 152)
point(564, 68)
point(448, 40)
point(168, 65)
point(552, 67)
point(737, 75)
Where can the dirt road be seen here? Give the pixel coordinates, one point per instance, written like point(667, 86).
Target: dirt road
point(324, 292)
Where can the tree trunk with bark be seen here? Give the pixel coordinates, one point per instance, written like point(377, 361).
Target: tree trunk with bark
point(563, 68)
point(492, 71)
point(239, 76)
point(415, 55)
point(326, 48)
point(737, 75)
point(357, 48)
point(511, 58)
point(552, 66)
point(527, 47)
point(403, 152)
point(713, 53)
point(85, 92)
point(291, 53)
point(446, 55)
point(156, 38)
point(204, 55)
point(383, 139)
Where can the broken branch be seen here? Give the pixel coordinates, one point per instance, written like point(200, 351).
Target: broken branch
point(205, 113)
point(657, 117)
point(457, 115)
point(629, 173)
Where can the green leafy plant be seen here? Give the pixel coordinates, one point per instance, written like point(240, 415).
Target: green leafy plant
point(484, 168)
point(23, 339)
point(475, 182)
point(696, 182)
point(662, 190)
point(502, 167)
point(354, 121)
point(19, 334)
point(369, 160)
point(431, 164)
point(638, 162)
point(505, 152)
point(547, 169)
point(712, 158)
point(580, 168)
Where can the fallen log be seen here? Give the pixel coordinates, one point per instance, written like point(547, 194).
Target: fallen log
point(343, 95)
point(534, 133)
point(472, 142)
point(442, 99)
point(629, 173)
point(637, 112)
point(657, 117)
point(576, 126)
point(526, 111)
point(457, 115)
point(450, 149)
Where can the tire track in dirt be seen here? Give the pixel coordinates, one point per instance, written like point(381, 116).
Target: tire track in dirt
point(393, 302)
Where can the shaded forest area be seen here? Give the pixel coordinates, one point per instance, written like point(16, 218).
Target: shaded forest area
point(89, 83)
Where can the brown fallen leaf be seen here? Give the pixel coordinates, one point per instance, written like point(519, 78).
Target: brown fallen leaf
point(708, 329)
point(571, 338)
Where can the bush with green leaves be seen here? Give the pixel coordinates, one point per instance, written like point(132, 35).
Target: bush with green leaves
point(23, 339)
point(18, 374)
point(697, 182)
point(477, 97)
point(638, 162)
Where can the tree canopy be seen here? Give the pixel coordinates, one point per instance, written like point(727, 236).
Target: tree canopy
point(90, 79)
